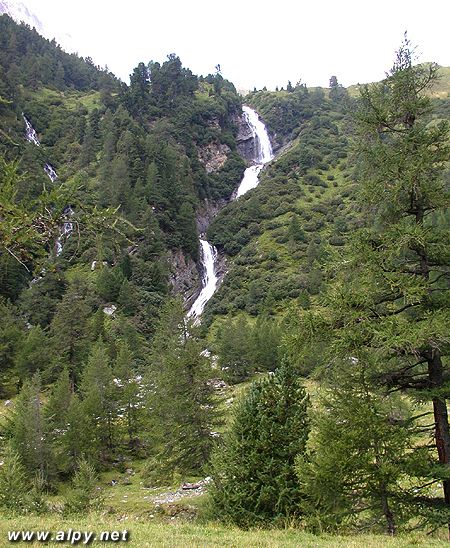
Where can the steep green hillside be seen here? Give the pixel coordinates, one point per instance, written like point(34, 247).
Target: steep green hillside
point(280, 235)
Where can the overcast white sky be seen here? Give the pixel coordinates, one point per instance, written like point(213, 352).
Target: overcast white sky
point(257, 43)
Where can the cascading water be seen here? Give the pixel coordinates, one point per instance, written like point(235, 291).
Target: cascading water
point(67, 228)
point(263, 154)
point(209, 281)
point(50, 172)
point(30, 132)
point(263, 150)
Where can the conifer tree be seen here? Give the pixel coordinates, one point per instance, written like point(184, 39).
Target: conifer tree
point(388, 304)
point(128, 394)
point(98, 405)
point(363, 461)
point(56, 413)
point(181, 399)
point(254, 469)
point(14, 484)
point(28, 431)
point(85, 494)
point(34, 354)
point(234, 349)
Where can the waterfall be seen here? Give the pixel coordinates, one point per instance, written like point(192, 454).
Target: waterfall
point(31, 136)
point(209, 281)
point(65, 232)
point(50, 172)
point(263, 151)
point(30, 132)
point(263, 154)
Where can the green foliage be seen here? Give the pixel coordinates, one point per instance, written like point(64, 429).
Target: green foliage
point(254, 469)
point(34, 354)
point(98, 405)
point(14, 483)
point(243, 348)
point(85, 495)
point(28, 431)
point(184, 413)
point(42, 63)
point(387, 306)
point(367, 478)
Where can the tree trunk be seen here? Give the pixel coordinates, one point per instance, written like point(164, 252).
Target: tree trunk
point(390, 523)
point(442, 431)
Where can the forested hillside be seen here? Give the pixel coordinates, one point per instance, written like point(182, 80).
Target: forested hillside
point(313, 391)
point(101, 183)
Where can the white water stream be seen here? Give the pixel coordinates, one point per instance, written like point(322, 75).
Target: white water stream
point(263, 149)
point(209, 281)
point(263, 154)
point(67, 228)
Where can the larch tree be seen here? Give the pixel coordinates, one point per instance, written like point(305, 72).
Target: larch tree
point(405, 315)
point(387, 305)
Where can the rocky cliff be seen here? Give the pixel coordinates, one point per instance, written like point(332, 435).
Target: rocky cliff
point(244, 138)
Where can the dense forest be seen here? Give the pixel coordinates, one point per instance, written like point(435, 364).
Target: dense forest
point(314, 391)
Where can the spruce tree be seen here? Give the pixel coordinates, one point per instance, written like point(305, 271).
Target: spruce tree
point(14, 484)
point(254, 469)
point(85, 494)
point(34, 354)
point(98, 405)
point(56, 412)
point(363, 460)
point(128, 395)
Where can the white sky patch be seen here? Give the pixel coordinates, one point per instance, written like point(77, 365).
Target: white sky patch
point(257, 43)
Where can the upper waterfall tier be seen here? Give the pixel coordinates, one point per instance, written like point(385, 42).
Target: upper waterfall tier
point(263, 151)
point(263, 154)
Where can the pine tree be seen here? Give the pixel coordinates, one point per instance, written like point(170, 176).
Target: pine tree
point(406, 255)
point(34, 353)
point(128, 394)
point(85, 494)
point(254, 470)
point(69, 331)
point(98, 405)
point(265, 342)
point(234, 349)
point(187, 229)
point(387, 306)
point(56, 412)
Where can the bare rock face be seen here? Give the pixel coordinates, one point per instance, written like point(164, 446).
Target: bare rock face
point(213, 156)
point(206, 213)
point(245, 139)
point(184, 278)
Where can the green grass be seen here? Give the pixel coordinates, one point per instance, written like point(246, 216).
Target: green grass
point(143, 533)
point(440, 89)
point(70, 99)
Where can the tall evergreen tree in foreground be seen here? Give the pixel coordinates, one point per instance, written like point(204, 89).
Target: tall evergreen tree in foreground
point(182, 401)
point(254, 470)
point(388, 307)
